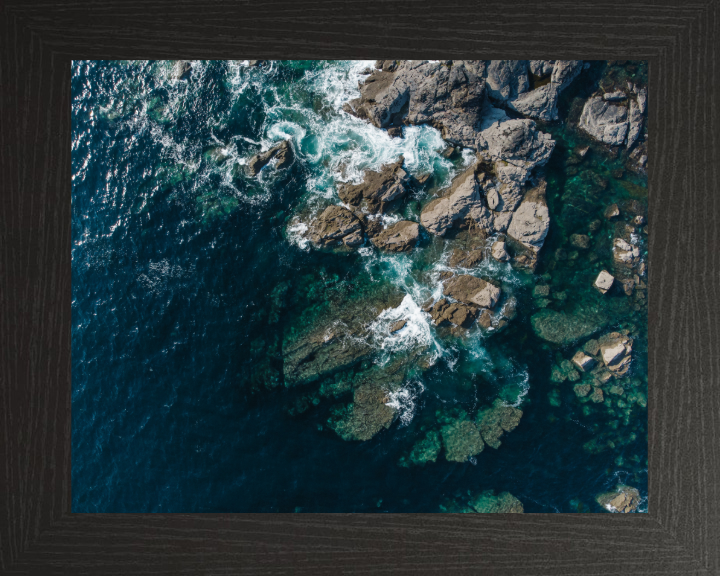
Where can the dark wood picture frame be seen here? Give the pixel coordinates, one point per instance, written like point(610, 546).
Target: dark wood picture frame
point(681, 532)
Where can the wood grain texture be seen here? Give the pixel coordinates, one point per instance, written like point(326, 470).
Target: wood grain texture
point(39, 535)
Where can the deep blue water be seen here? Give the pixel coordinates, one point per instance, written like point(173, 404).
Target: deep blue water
point(177, 396)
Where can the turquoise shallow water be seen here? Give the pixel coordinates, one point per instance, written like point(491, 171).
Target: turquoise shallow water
point(187, 277)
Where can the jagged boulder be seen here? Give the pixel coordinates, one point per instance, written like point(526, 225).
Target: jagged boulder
point(605, 121)
point(282, 152)
point(335, 226)
point(377, 188)
point(399, 237)
point(472, 290)
point(439, 215)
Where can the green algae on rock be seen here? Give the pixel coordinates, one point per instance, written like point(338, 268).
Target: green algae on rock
point(462, 440)
point(486, 502)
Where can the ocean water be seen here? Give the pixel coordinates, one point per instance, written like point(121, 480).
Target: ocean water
point(188, 277)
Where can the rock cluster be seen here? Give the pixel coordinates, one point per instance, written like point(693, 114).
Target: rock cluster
point(399, 237)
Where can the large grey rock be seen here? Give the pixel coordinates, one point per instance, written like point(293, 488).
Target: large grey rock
point(335, 226)
point(605, 121)
point(449, 97)
point(616, 352)
point(541, 67)
point(390, 183)
point(531, 221)
point(400, 237)
point(541, 103)
point(440, 214)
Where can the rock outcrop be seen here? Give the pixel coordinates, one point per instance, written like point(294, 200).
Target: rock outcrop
point(445, 95)
point(335, 226)
point(605, 121)
point(282, 152)
point(399, 237)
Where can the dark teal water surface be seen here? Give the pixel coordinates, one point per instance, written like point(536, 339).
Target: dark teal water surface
point(187, 275)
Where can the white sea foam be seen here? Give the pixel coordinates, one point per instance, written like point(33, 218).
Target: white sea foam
point(405, 400)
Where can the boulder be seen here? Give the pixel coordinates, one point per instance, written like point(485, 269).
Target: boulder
point(612, 211)
point(441, 214)
point(399, 325)
point(390, 183)
point(568, 327)
point(583, 361)
point(604, 121)
point(616, 352)
point(282, 151)
point(604, 281)
point(399, 237)
point(623, 499)
point(471, 290)
point(335, 226)
point(499, 251)
point(531, 221)
point(625, 254)
point(465, 258)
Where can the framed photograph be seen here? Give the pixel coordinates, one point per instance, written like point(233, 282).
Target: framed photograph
point(351, 307)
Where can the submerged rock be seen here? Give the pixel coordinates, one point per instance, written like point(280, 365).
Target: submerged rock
point(399, 237)
point(424, 451)
point(461, 440)
point(333, 339)
point(335, 226)
point(282, 152)
point(365, 416)
point(493, 422)
point(504, 503)
point(377, 188)
point(472, 290)
point(567, 328)
point(499, 252)
point(623, 499)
